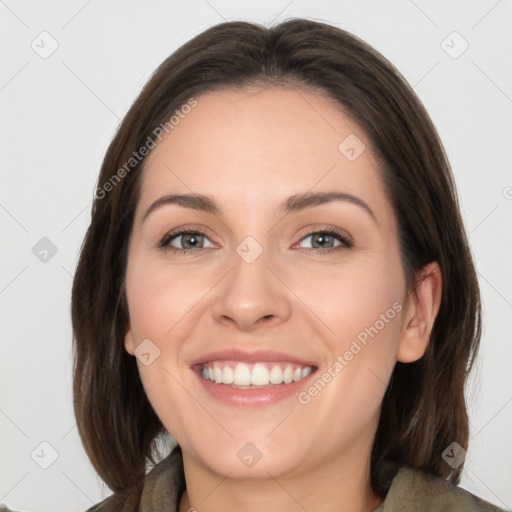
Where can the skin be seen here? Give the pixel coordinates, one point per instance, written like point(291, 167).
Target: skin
point(250, 150)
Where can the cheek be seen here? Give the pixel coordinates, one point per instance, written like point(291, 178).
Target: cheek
point(160, 377)
point(160, 297)
point(352, 299)
point(157, 302)
point(361, 309)
point(164, 307)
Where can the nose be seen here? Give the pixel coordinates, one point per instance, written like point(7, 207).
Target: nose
point(252, 295)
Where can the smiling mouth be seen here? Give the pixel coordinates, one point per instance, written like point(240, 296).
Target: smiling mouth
point(241, 375)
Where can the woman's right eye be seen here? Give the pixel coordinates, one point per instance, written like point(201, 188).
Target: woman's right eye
point(186, 239)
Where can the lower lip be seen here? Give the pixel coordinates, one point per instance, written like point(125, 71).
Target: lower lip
point(258, 396)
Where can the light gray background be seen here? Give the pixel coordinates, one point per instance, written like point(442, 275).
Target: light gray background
point(58, 115)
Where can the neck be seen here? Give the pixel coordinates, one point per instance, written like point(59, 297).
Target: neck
point(340, 484)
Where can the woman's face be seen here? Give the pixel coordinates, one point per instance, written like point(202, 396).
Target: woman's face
point(261, 295)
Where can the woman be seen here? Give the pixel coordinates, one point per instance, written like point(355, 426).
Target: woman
point(276, 274)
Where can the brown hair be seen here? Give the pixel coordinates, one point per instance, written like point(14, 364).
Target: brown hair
point(424, 408)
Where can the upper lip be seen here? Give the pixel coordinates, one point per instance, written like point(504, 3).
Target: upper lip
point(245, 356)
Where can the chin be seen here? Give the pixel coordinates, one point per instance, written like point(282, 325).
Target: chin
point(246, 460)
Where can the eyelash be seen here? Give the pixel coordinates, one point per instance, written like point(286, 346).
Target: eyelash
point(346, 241)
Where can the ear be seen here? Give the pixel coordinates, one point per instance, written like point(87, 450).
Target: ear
point(420, 312)
point(129, 342)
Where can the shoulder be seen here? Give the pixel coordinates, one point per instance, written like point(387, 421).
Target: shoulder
point(161, 487)
point(127, 500)
point(422, 492)
point(94, 508)
point(117, 502)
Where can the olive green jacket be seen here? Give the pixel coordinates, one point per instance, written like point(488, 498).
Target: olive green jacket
point(409, 491)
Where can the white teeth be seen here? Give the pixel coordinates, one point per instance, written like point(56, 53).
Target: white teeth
point(242, 375)
point(276, 375)
point(227, 375)
point(259, 375)
point(217, 372)
point(305, 372)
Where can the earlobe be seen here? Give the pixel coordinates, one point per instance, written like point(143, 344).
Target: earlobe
point(129, 344)
point(420, 313)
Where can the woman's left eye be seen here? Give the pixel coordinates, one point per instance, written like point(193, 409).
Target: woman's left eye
point(323, 241)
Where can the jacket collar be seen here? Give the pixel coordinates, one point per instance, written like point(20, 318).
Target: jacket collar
point(164, 485)
point(405, 489)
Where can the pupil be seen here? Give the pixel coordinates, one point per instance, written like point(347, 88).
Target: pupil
point(324, 238)
point(189, 237)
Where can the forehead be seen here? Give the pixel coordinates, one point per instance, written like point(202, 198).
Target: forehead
point(256, 145)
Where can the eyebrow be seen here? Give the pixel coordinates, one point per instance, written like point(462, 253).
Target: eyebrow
point(294, 203)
